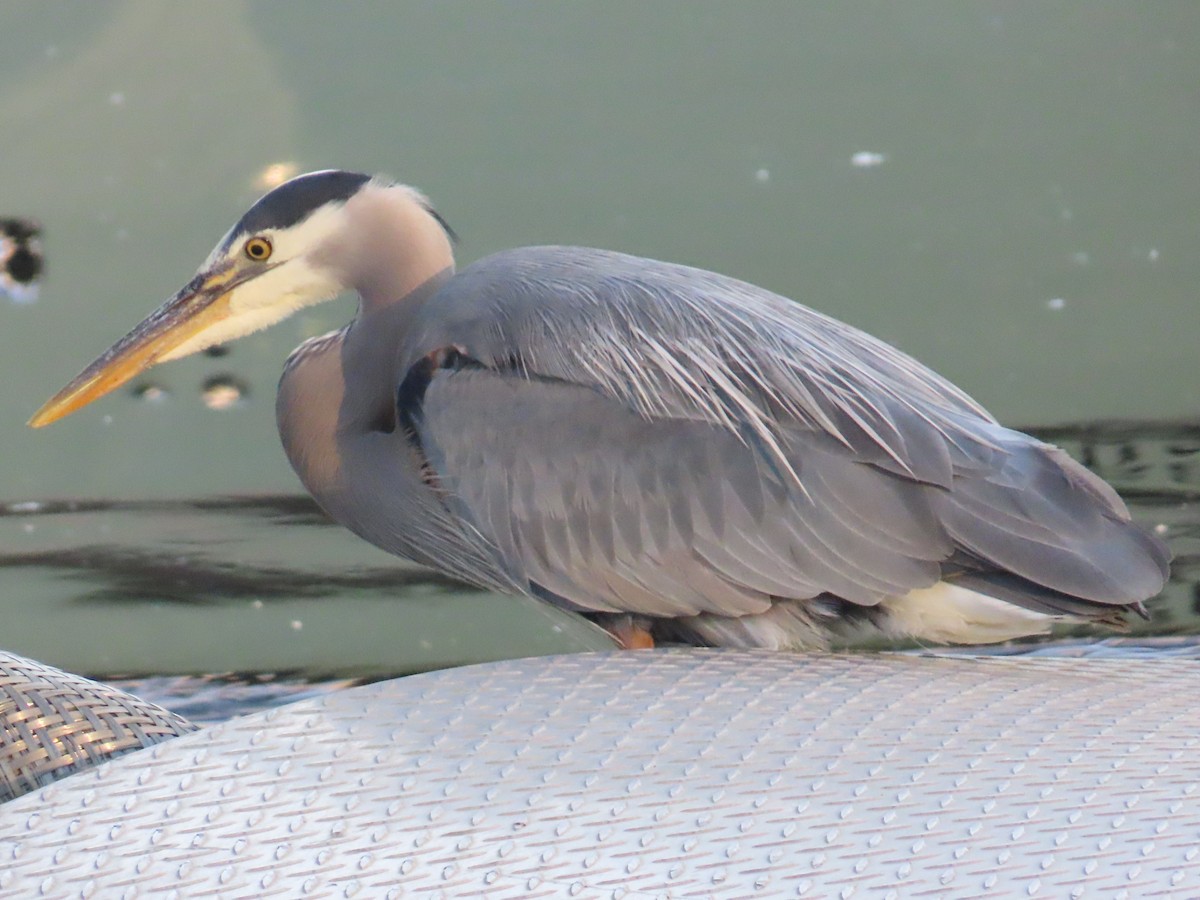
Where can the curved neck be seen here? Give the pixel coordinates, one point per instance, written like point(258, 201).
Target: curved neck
point(340, 388)
point(337, 396)
point(392, 244)
point(336, 411)
point(369, 358)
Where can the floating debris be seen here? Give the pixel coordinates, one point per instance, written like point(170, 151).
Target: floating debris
point(223, 392)
point(21, 262)
point(216, 351)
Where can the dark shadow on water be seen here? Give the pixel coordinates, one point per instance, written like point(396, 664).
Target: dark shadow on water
point(131, 576)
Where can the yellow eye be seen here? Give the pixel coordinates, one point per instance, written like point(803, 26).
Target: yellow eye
point(258, 249)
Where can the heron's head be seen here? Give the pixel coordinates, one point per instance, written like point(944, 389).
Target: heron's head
point(306, 241)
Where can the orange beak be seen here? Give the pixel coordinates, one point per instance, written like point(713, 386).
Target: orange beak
point(200, 304)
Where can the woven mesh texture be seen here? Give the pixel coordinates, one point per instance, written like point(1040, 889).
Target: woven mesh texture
point(53, 723)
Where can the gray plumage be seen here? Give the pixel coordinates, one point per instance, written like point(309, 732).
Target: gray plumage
point(652, 438)
point(621, 436)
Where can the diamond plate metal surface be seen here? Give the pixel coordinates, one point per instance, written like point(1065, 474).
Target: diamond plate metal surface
point(684, 773)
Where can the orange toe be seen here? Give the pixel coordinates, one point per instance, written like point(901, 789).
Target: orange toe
point(631, 637)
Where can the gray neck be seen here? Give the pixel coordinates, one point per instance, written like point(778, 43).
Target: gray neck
point(370, 361)
point(336, 410)
point(341, 387)
point(391, 245)
point(395, 254)
point(337, 396)
point(336, 405)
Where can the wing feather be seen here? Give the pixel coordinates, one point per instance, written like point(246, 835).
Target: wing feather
point(668, 441)
point(670, 341)
point(606, 517)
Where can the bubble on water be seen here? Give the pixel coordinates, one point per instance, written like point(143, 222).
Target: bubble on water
point(117, 98)
point(1153, 254)
point(297, 625)
point(1080, 258)
point(223, 392)
point(1056, 303)
point(867, 159)
point(1161, 528)
point(149, 392)
point(275, 174)
point(762, 176)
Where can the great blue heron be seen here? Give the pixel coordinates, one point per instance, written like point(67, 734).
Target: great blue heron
point(668, 450)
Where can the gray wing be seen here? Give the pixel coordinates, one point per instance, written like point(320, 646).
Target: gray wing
point(670, 341)
point(683, 442)
point(612, 512)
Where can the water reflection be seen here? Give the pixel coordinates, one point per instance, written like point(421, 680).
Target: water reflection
point(218, 585)
point(118, 575)
point(206, 699)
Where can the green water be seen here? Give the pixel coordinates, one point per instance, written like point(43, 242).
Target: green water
point(1007, 191)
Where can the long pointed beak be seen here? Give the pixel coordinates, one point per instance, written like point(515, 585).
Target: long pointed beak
point(200, 304)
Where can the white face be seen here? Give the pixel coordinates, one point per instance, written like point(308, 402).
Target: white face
point(272, 287)
point(251, 280)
